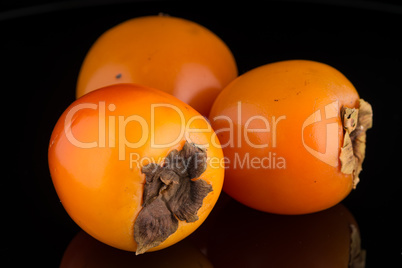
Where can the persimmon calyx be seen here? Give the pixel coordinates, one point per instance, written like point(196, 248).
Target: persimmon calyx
point(171, 193)
point(355, 124)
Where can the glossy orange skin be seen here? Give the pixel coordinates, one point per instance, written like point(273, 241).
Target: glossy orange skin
point(172, 54)
point(301, 102)
point(97, 186)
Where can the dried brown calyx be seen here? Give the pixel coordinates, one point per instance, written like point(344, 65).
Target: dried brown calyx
point(171, 193)
point(355, 123)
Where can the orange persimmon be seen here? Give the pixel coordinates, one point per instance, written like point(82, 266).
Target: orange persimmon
point(135, 167)
point(293, 133)
point(171, 54)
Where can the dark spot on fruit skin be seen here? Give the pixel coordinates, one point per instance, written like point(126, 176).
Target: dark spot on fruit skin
point(276, 100)
point(118, 76)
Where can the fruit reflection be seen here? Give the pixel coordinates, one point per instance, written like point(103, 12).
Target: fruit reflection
point(242, 237)
point(85, 251)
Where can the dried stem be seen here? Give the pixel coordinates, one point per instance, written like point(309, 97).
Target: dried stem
point(170, 194)
point(355, 123)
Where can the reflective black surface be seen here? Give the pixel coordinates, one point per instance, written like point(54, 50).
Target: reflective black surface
point(41, 57)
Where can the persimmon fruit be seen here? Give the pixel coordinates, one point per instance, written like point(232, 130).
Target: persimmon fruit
point(135, 167)
point(294, 134)
point(172, 54)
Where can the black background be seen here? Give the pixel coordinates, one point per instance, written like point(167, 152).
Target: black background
point(43, 45)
